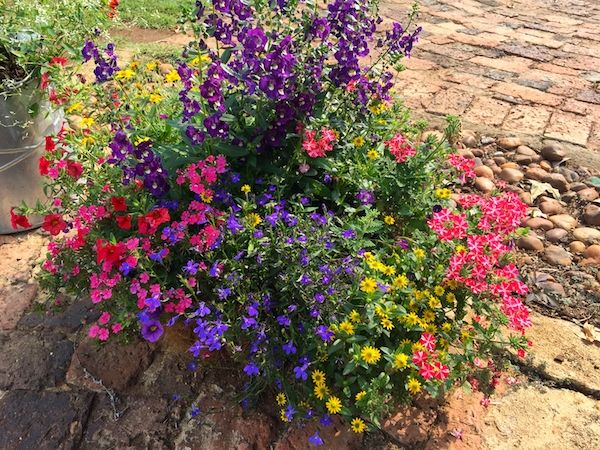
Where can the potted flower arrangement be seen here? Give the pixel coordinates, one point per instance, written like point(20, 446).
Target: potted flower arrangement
point(272, 194)
point(35, 38)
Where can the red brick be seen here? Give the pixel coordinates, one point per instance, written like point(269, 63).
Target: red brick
point(594, 139)
point(527, 119)
point(527, 93)
point(569, 127)
point(582, 62)
point(450, 101)
point(490, 40)
point(550, 67)
point(507, 63)
point(487, 111)
point(466, 79)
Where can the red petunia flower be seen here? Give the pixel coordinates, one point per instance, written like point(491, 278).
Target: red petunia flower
point(18, 220)
point(44, 165)
point(119, 203)
point(74, 169)
point(50, 144)
point(58, 61)
point(124, 222)
point(54, 224)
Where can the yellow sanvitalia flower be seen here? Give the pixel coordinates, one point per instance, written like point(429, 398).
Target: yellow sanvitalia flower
point(124, 74)
point(321, 391)
point(360, 395)
point(155, 98)
point(86, 122)
point(372, 154)
point(388, 270)
point(206, 198)
point(347, 327)
point(413, 385)
point(318, 376)
point(434, 303)
point(419, 253)
point(281, 399)
point(358, 425)
point(446, 326)
point(400, 361)
point(401, 281)
point(282, 416)
point(75, 107)
point(451, 297)
point(151, 66)
point(411, 319)
point(370, 355)
point(439, 290)
point(429, 316)
point(172, 76)
point(368, 285)
point(254, 219)
point(358, 141)
point(354, 316)
point(333, 405)
point(443, 194)
point(387, 324)
point(389, 220)
point(246, 189)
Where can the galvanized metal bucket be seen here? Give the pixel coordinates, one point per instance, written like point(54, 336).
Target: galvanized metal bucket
point(25, 120)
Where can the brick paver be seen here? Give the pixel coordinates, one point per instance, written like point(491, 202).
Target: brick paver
point(521, 66)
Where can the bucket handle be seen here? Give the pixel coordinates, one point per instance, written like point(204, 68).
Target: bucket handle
point(26, 152)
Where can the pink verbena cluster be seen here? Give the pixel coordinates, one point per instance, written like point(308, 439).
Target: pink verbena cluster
point(400, 148)
point(481, 265)
point(318, 148)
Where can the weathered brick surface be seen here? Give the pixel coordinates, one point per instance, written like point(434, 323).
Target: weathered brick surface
point(525, 66)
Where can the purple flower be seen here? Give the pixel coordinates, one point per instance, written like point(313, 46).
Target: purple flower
point(403, 244)
point(324, 333)
point(366, 197)
point(315, 440)
point(326, 420)
point(153, 303)
point(289, 348)
point(284, 321)
point(191, 267)
point(319, 297)
point(289, 412)
point(152, 330)
point(301, 372)
point(194, 411)
point(251, 369)
point(349, 234)
point(254, 40)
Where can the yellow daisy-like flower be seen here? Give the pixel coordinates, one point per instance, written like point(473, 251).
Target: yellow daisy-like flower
point(373, 154)
point(387, 324)
point(446, 326)
point(206, 198)
point(151, 66)
point(246, 188)
point(358, 425)
point(282, 416)
point(413, 385)
point(388, 270)
point(389, 220)
point(281, 399)
point(321, 391)
point(370, 355)
point(368, 285)
point(358, 141)
point(318, 376)
point(172, 76)
point(464, 335)
point(155, 98)
point(460, 249)
point(443, 194)
point(141, 139)
point(333, 405)
point(354, 316)
point(74, 107)
point(86, 122)
point(87, 140)
point(401, 281)
point(417, 346)
point(411, 319)
point(254, 219)
point(430, 328)
point(125, 74)
point(419, 253)
point(439, 290)
point(360, 395)
point(451, 297)
point(434, 303)
point(429, 316)
point(400, 361)
point(347, 327)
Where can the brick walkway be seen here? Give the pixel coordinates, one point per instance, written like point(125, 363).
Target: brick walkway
point(524, 67)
